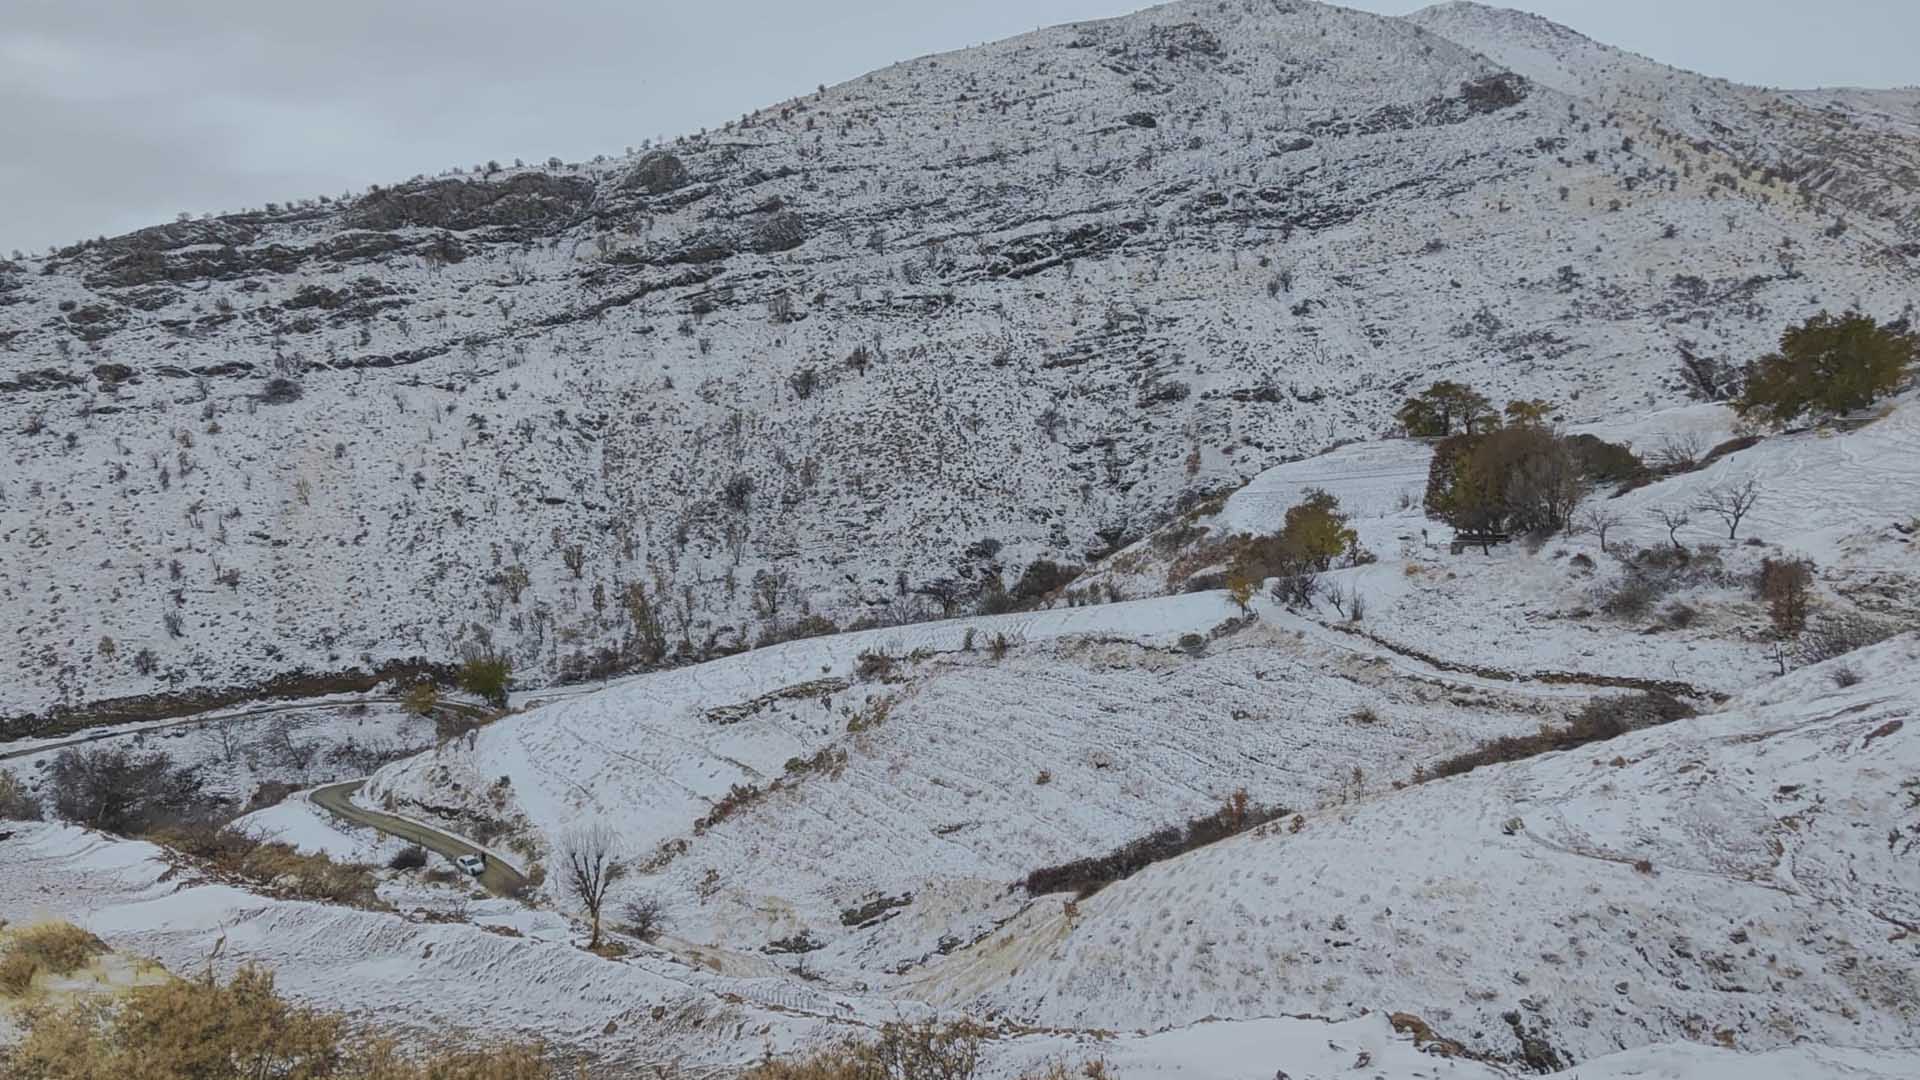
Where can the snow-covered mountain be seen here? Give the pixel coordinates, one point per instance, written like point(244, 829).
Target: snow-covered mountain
point(1020, 301)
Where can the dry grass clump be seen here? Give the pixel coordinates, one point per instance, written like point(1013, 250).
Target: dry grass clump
point(922, 1051)
point(240, 1029)
point(57, 948)
point(278, 868)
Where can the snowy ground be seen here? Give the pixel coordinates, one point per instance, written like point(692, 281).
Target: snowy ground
point(1748, 877)
point(1773, 908)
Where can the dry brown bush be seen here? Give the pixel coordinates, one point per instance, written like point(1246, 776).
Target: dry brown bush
point(236, 1031)
point(278, 868)
point(56, 947)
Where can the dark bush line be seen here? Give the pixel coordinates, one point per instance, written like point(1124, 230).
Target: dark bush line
point(1088, 876)
point(1595, 722)
point(1670, 687)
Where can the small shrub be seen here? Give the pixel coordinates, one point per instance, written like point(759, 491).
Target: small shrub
point(16, 802)
point(1840, 635)
point(1045, 777)
point(1786, 585)
point(873, 664)
point(420, 699)
point(1043, 576)
point(997, 648)
point(644, 917)
point(488, 676)
point(279, 391)
point(1193, 644)
point(411, 857)
point(1679, 616)
point(1631, 597)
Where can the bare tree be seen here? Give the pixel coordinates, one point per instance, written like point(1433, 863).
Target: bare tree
point(1730, 502)
point(1597, 520)
point(645, 917)
point(588, 853)
point(223, 729)
point(1674, 519)
point(1677, 453)
point(771, 591)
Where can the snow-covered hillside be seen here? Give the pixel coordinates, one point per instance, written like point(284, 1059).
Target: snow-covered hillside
point(1747, 877)
point(1674, 899)
point(910, 332)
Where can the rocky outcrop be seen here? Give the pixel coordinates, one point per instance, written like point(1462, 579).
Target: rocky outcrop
point(528, 203)
point(656, 173)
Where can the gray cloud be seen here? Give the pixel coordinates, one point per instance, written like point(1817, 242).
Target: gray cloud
point(120, 113)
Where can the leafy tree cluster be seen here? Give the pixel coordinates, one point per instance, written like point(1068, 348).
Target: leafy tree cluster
point(1313, 536)
point(1830, 364)
point(1519, 479)
point(1447, 408)
point(1441, 408)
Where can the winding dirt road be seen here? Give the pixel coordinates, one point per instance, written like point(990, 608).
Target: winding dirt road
point(337, 799)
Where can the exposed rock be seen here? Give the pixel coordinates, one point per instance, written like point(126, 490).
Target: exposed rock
point(656, 173)
point(780, 231)
point(530, 201)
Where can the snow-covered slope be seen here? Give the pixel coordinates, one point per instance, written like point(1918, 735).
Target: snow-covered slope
point(1044, 292)
point(1748, 877)
point(642, 1014)
point(956, 774)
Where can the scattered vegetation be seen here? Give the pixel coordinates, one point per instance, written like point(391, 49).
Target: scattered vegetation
point(923, 1051)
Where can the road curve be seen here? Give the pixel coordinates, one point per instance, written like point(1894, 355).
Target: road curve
point(337, 799)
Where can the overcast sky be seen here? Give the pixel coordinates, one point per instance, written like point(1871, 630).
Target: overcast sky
point(120, 113)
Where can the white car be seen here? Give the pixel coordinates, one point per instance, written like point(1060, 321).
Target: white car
point(472, 865)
